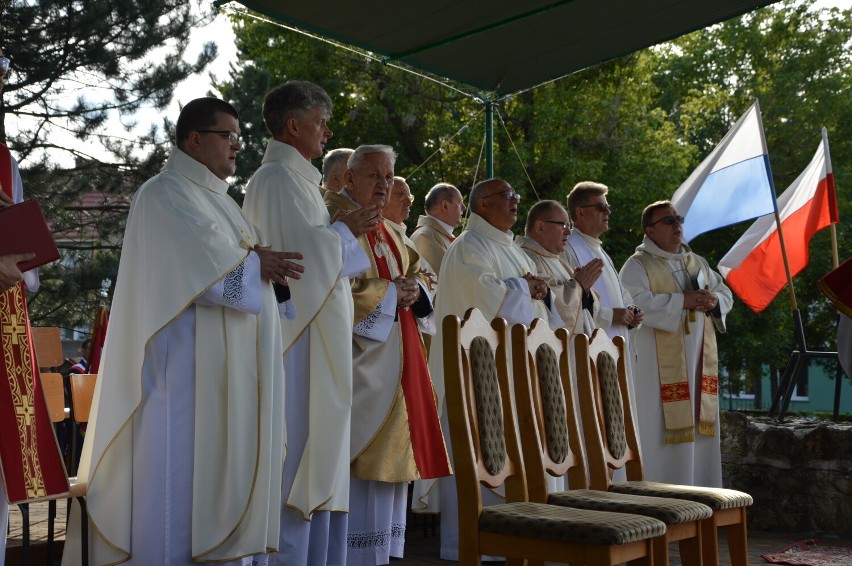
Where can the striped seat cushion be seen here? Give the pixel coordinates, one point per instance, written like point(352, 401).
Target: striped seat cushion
point(540, 520)
point(670, 511)
point(713, 497)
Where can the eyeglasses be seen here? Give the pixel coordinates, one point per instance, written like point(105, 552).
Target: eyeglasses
point(564, 225)
point(508, 194)
point(405, 198)
point(668, 220)
point(599, 205)
point(234, 138)
point(4, 65)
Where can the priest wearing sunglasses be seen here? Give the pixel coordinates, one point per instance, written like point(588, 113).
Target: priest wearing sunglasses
point(685, 304)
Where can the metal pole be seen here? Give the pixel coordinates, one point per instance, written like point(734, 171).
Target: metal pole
point(489, 138)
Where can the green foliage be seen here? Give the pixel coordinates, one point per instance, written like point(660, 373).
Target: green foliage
point(796, 60)
point(73, 66)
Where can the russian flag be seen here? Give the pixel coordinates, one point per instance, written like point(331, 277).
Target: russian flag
point(754, 267)
point(732, 184)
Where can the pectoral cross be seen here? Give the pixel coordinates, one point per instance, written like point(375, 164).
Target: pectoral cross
point(15, 330)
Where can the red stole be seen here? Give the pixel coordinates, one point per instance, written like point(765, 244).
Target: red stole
point(32, 465)
point(427, 440)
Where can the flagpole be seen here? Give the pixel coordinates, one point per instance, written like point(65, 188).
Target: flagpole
point(835, 260)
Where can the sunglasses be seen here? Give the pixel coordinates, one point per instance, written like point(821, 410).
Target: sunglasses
point(669, 220)
point(599, 205)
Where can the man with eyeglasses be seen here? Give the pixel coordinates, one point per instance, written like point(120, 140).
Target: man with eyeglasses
point(545, 238)
point(483, 268)
point(396, 435)
point(676, 399)
point(183, 453)
point(284, 201)
point(395, 213)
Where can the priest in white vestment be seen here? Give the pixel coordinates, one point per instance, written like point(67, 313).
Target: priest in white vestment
point(677, 400)
point(284, 200)
point(545, 238)
point(492, 274)
point(396, 434)
point(434, 231)
point(395, 213)
point(182, 455)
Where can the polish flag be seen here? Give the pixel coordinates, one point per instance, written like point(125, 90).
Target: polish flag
point(732, 184)
point(754, 267)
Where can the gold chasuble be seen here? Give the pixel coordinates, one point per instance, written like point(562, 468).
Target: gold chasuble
point(31, 462)
point(671, 358)
point(396, 434)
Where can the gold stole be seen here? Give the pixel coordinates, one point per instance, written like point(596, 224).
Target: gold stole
point(671, 359)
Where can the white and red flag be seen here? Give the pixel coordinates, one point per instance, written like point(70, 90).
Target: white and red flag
point(754, 267)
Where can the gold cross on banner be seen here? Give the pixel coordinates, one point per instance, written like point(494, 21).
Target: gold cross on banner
point(26, 410)
point(15, 329)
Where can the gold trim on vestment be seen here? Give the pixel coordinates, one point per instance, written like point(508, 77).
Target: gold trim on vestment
point(676, 398)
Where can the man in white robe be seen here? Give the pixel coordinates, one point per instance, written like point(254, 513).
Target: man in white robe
point(395, 213)
point(182, 456)
point(590, 212)
point(333, 168)
point(544, 240)
point(490, 273)
point(284, 200)
point(434, 231)
point(677, 390)
point(396, 434)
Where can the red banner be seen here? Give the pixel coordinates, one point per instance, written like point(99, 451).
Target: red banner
point(29, 455)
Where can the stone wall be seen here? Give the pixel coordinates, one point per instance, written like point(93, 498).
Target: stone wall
point(798, 472)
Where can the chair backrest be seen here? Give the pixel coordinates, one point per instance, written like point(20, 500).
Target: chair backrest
point(605, 405)
point(54, 395)
point(479, 406)
point(82, 389)
point(48, 346)
point(544, 397)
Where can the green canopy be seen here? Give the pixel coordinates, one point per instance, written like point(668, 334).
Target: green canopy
point(501, 47)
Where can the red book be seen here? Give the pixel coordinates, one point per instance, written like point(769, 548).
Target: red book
point(23, 229)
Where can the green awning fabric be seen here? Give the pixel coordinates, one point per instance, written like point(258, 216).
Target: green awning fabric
point(501, 47)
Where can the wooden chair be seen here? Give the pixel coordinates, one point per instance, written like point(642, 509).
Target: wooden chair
point(48, 347)
point(612, 443)
point(552, 444)
point(486, 451)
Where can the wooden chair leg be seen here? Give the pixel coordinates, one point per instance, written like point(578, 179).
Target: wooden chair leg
point(710, 541)
point(738, 541)
point(661, 551)
point(690, 550)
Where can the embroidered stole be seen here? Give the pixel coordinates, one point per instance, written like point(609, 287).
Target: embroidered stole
point(31, 462)
point(671, 360)
point(427, 440)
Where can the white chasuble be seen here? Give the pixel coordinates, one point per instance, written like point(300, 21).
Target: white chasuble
point(184, 236)
point(688, 463)
point(284, 200)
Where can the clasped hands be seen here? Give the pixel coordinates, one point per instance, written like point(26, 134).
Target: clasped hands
point(703, 300)
point(275, 266)
point(407, 291)
point(538, 287)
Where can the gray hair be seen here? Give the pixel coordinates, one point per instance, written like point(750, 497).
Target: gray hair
point(333, 159)
point(438, 194)
point(292, 98)
point(358, 155)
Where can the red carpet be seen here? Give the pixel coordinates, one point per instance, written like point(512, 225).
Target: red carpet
point(812, 553)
